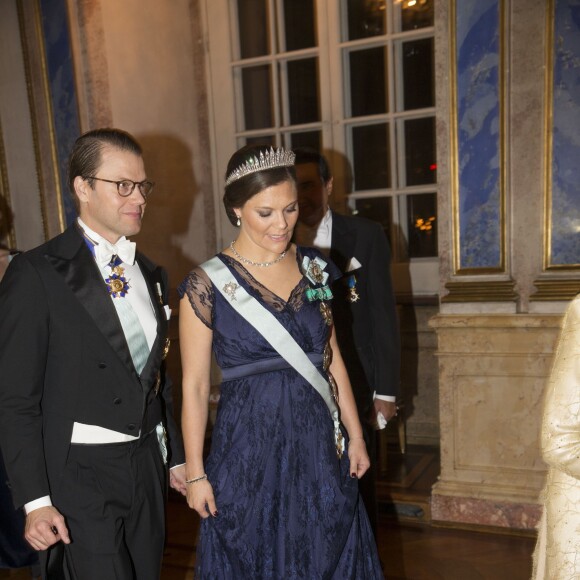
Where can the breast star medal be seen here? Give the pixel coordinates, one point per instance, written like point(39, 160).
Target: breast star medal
point(117, 284)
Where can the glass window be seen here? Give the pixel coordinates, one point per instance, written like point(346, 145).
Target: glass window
point(253, 28)
point(368, 81)
point(377, 209)
point(416, 14)
point(422, 225)
point(260, 140)
point(418, 81)
point(363, 90)
point(310, 139)
point(370, 154)
point(256, 88)
point(303, 90)
point(365, 18)
point(299, 24)
point(420, 156)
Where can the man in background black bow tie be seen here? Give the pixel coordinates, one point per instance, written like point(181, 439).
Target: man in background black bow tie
point(86, 427)
point(363, 306)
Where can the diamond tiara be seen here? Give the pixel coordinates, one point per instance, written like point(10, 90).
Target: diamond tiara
point(267, 160)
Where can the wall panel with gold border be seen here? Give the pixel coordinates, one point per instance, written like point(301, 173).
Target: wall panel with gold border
point(478, 153)
point(560, 279)
point(38, 115)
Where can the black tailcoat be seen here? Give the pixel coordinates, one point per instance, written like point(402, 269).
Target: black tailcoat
point(367, 330)
point(64, 358)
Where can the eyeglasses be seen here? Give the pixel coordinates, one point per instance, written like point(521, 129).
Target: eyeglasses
point(126, 186)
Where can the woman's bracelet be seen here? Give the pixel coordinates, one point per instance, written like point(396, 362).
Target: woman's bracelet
point(355, 438)
point(196, 479)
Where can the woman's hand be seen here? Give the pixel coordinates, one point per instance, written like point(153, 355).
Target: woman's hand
point(200, 498)
point(359, 458)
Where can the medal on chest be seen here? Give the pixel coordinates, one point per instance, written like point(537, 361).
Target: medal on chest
point(353, 295)
point(117, 284)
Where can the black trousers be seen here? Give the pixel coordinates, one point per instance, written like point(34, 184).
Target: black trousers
point(113, 499)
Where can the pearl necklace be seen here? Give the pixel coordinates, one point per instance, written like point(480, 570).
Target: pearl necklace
point(260, 264)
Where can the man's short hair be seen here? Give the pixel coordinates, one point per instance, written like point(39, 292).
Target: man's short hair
point(309, 155)
point(85, 158)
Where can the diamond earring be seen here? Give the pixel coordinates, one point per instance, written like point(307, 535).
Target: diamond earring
point(239, 222)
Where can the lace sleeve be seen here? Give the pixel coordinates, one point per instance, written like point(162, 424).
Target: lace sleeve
point(200, 293)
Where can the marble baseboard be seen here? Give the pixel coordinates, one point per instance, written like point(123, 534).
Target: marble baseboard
point(484, 512)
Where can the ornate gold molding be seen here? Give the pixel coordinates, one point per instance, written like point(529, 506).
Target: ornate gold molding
point(41, 117)
point(548, 123)
point(555, 289)
point(481, 291)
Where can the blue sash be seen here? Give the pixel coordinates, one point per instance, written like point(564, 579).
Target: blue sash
point(278, 337)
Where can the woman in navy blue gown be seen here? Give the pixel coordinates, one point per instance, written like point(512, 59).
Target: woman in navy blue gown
point(278, 496)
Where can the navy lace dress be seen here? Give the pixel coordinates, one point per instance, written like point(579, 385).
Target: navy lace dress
point(287, 505)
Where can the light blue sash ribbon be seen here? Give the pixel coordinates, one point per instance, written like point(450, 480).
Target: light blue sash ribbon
point(273, 331)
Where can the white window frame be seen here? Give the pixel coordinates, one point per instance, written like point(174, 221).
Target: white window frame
point(419, 276)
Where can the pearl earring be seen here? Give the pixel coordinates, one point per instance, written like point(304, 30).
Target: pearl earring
point(239, 222)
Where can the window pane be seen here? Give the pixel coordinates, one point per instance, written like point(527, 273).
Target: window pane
point(303, 91)
point(416, 14)
point(310, 139)
point(365, 18)
point(299, 24)
point(377, 209)
point(261, 140)
point(370, 145)
point(418, 82)
point(256, 87)
point(422, 225)
point(368, 82)
point(420, 155)
point(253, 28)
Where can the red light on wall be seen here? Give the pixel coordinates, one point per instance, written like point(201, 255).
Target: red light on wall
point(433, 167)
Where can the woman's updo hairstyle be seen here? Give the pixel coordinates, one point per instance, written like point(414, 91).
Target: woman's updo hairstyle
point(239, 190)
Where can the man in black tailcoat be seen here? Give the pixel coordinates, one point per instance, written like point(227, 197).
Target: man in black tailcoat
point(86, 424)
point(363, 306)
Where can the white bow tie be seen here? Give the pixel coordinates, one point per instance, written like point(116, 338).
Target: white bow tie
point(104, 251)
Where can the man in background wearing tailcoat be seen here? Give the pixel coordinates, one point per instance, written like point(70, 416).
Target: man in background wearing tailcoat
point(363, 306)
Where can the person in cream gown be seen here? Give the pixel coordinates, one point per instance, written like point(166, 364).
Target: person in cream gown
point(557, 553)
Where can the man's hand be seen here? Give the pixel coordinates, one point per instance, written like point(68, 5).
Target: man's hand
point(44, 527)
point(177, 479)
point(388, 409)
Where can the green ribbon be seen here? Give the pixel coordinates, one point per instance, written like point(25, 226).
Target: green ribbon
point(323, 293)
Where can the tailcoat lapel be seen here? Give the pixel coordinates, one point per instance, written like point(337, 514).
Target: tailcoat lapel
point(71, 258)
point(342, 242)
point(155, 284)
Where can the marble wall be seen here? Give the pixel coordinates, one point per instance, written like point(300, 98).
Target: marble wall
point(564, 136)
point(480, 137)
point(492, 372)
point(497, 327)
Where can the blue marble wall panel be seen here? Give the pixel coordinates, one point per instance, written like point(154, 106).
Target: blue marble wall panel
point(479, 135)
point(62, 90)
point(565, 223)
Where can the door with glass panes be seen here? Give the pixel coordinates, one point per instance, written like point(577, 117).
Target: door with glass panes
point(351, 78)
